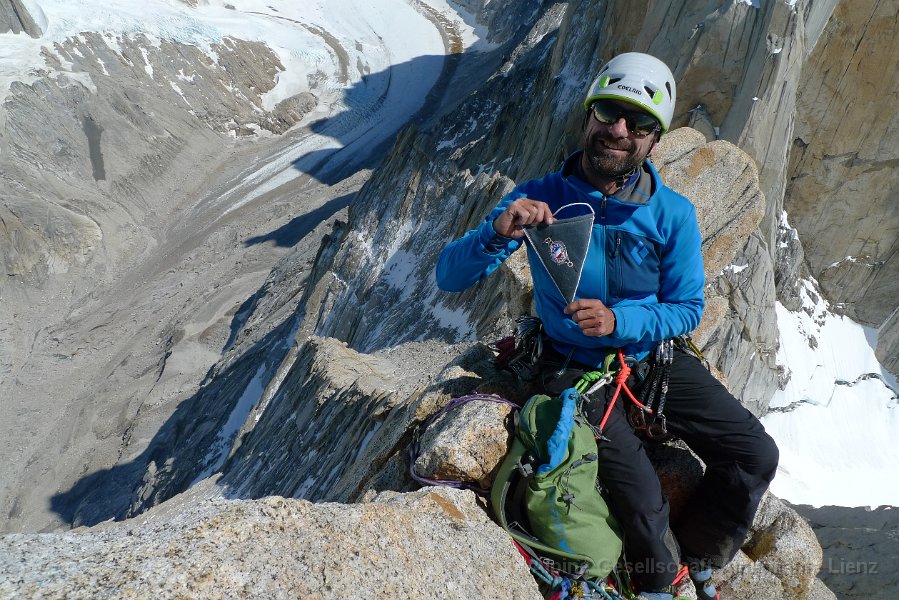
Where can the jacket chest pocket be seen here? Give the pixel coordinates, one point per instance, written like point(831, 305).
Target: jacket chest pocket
point(633, 266)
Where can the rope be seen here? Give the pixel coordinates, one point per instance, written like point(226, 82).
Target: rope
point(556, 581)
point(621, 384)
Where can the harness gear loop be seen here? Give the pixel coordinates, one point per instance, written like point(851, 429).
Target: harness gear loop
point(654, 394)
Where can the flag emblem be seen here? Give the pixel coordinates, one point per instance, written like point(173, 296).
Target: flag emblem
point(558, 252)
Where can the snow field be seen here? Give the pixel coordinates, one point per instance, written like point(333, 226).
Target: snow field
point(837, 432)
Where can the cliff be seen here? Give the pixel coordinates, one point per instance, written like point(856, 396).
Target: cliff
point(311, 385)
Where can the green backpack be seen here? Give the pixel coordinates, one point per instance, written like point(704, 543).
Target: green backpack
point(546, 495)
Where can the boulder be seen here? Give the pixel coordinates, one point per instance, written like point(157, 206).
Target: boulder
point(466, 444)
point(745, 578)
point(785, 544)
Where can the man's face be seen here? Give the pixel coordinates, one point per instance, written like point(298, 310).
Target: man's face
point(611, 149)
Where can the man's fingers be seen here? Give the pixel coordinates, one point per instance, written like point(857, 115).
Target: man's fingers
point(581, 304)
point(531, 214)
point(592, 316)
point(545, 215)
point(520, 214)
point(523, 215)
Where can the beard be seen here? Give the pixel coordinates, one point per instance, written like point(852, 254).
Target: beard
point(609, 165)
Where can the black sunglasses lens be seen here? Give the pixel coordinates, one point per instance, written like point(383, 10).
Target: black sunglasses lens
point(642, 124)
point(606, 112)
point(638, 123)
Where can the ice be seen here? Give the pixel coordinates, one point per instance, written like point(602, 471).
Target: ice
point(837, 419)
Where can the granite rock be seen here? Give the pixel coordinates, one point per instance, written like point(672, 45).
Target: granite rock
point(434, 543)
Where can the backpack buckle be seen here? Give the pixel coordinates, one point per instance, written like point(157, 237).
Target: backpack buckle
point(525, 469)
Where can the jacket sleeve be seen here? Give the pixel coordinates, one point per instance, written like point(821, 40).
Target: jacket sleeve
point(476, 254)
point(680, 298)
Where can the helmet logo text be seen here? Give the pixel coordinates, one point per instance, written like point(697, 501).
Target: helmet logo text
point(630, 89)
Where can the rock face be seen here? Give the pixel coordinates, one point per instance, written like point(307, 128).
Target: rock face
point(331, 363)
point(417, 545)
point(842, 167)
point(861, 548)
point(15, 18)
point(888, 343)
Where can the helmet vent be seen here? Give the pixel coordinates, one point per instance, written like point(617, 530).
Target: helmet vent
point(668, 87)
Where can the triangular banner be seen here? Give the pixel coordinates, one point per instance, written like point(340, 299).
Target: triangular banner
point(562, 249)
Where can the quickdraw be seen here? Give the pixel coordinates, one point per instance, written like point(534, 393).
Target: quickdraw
point(600, 378)
point(654, 394)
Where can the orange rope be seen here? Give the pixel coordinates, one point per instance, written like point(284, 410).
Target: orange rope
point(621, 381)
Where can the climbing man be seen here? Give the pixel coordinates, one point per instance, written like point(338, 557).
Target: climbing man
point(642, 284)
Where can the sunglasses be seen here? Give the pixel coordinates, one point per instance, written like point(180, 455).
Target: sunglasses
point(638, 122)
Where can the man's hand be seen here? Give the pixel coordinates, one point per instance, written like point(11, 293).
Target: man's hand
point(521, 212)
point(593, 317)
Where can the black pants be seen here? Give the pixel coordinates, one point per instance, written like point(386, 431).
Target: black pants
point(740, 459)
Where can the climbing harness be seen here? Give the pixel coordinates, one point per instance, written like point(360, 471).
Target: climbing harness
point(646, 413)
point(592, 381)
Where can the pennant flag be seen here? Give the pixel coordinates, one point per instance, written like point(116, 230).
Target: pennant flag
point(562, 249)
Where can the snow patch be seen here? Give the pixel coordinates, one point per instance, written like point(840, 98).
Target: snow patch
point(147, 66)
point(220, 448)
point(456, 319)
point(399, 270)
point(838, 414)
point(736, 268)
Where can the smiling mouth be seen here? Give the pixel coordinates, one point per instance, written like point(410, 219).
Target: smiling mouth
point(615, 148)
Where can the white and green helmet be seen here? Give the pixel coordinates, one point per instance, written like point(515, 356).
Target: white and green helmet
point(640, 79)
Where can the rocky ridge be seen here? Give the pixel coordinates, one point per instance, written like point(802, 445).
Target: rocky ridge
point(416, 545)
point(16, 18)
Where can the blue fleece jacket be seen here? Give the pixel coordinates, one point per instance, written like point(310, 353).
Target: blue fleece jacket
point(644, 262)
